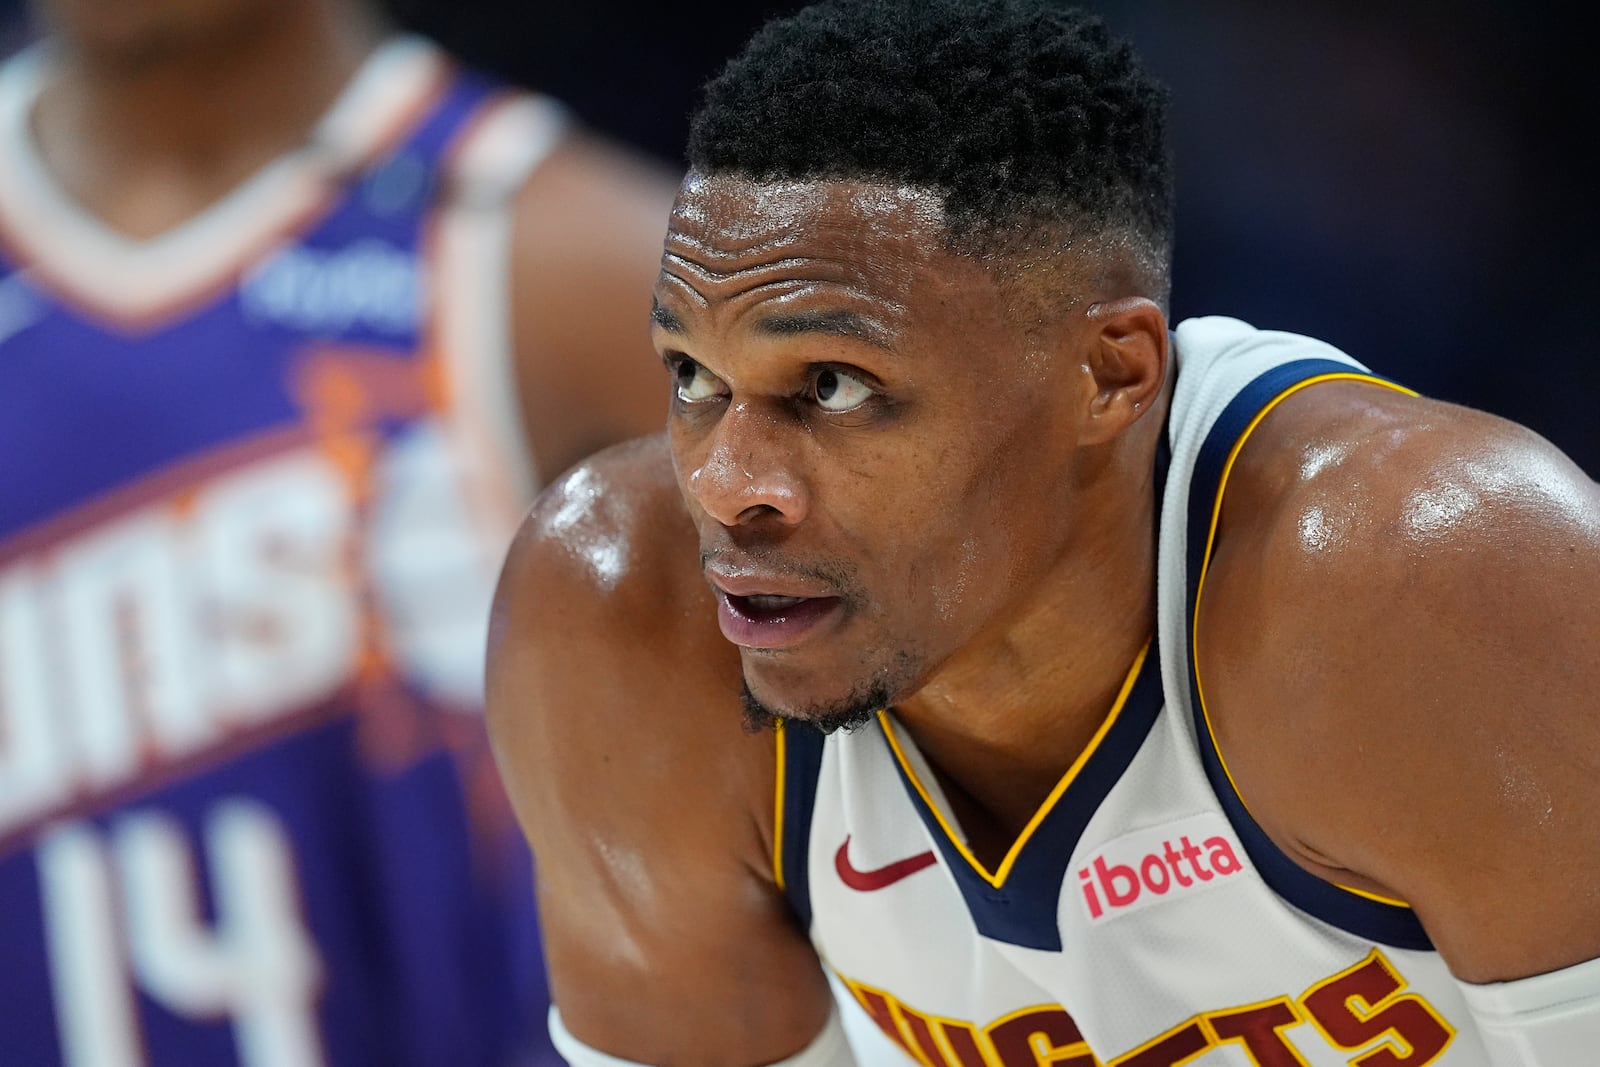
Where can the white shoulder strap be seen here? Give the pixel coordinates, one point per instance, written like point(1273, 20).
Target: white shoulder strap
point(829, 1049)
point(1548, 1020)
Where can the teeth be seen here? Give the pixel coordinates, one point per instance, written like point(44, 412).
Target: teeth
point(772, 603)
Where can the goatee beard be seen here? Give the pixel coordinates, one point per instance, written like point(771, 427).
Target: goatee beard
point(851, 713)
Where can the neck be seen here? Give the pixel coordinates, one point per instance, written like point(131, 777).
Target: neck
point(1005, 718)
point(145, 139)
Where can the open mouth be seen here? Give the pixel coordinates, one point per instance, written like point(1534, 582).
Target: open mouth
point(765, 607)
point(768, 620)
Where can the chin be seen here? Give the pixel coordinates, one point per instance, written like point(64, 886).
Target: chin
point(847, 715)
point(773, 694)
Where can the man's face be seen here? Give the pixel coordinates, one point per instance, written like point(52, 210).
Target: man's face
point(879, 463)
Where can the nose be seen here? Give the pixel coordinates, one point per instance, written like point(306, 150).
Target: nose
point(748, 470)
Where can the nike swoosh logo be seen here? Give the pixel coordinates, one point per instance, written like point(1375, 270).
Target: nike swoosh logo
point(867, 881)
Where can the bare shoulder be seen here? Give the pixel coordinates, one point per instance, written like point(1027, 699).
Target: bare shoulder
point(604, 639)
point(1362, 496)
point(609, 531)
point(1398, 641)
point(614, 713)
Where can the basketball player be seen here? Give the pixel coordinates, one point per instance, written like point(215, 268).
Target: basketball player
point(1139, 697)
point(292, 315)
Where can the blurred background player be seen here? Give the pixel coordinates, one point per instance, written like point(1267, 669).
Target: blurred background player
point(294, 315)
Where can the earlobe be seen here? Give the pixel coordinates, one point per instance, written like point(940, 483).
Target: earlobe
point(1126, 363)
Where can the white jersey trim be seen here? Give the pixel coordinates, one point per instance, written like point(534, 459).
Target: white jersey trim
point(82, 259)
point(1548, 1020)
point(470, 269)
point(830, 1048)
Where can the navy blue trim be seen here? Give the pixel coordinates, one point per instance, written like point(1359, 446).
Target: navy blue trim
point(1386, 924)
point(1023, 910)
point(802, 765)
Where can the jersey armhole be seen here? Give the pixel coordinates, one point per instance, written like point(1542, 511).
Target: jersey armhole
point(1367, 915)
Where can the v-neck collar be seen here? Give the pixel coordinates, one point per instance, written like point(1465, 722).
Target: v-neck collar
point(76, 256)
point(1016, 902)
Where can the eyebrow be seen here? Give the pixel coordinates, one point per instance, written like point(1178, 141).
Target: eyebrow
point(663, 318)
point(840, 322)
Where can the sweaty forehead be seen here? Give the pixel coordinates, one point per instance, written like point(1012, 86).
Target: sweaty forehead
point(728, 223)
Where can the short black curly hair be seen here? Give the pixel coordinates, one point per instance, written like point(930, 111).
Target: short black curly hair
point(1036, 127)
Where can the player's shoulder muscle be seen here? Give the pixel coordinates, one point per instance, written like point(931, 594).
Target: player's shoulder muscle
point(1407, 606)
point(1370, 503)
point(608, 680)
point(613, 703)
point(609, 531)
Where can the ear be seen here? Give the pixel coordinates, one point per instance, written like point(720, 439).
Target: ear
point(1125, 365)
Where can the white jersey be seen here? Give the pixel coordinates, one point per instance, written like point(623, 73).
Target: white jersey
point(1142, 918)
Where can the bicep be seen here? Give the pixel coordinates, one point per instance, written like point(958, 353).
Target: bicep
point(675, 966)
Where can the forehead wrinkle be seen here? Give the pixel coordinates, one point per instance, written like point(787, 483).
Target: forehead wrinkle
point(712, 274)
point(845, 257)
point(768, 302)
point(847, 278)
point(721, 251)
point(728, 217)
point(684, 285)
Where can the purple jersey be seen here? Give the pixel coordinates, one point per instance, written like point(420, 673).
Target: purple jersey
point(256, 478)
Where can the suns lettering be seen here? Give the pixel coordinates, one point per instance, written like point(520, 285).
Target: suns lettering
point(183, 621)
point(32, 745)
point(1363, 1010)
point(192, 619)
point(276, 598)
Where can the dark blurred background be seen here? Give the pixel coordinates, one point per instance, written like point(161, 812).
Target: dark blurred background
point(1403, 180)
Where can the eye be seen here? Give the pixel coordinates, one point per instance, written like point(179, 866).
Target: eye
point(694, 383)
point(838, 391)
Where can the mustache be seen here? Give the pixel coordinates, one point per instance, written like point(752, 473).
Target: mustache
point(838, 575)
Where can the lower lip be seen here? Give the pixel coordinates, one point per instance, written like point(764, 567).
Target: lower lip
point(773, 631)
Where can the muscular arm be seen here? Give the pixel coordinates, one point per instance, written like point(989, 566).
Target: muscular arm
point(586, 246)
point(614, 713)
point(1404, 668)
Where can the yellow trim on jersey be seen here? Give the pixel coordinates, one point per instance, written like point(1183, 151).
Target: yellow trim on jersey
point(1205, 565)
point(777, 815)
point(998, 877)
